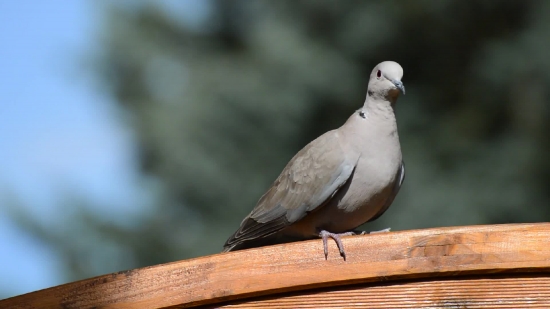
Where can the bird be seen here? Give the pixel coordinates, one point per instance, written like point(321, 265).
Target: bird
point(342, 179)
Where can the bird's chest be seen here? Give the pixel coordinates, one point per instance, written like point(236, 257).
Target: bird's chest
point(368, 189)
point(373, 175)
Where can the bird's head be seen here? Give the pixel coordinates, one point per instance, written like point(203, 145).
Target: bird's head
point(385, 81)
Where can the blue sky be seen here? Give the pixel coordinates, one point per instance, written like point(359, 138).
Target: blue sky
point(59, 133)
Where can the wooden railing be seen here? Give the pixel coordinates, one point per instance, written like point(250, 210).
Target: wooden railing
point(492, 266)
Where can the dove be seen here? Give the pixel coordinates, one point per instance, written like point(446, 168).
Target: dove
point(340, 180)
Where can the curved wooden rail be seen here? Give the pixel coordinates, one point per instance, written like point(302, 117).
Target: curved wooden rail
point(494, 266)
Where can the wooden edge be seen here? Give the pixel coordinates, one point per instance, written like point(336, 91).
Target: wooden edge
point(452, 251)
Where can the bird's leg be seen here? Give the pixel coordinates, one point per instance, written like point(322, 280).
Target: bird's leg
point(336, 236)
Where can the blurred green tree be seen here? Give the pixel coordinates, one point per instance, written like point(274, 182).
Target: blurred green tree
point(220, 105)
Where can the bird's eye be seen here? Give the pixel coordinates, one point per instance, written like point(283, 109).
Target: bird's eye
point(379, 73)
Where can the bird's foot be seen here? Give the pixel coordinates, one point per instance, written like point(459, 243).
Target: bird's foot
point(381, 231)
point(336, 236)
point(357, 232)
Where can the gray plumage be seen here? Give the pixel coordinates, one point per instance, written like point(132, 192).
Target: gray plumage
point(342, 179)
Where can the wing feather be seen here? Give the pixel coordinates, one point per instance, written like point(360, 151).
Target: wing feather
point(307, 182)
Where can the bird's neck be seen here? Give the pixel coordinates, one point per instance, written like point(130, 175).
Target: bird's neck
point(379, 106)
point(390, 96)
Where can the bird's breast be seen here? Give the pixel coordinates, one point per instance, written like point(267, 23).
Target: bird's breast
point(369, 187)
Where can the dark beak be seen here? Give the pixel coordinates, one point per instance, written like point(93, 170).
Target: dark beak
point(399, 85)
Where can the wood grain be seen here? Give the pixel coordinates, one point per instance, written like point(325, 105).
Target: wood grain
point(513, 249)
point(496, 292)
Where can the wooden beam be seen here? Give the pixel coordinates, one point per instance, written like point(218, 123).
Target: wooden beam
point(491, 292)
point(300, 267)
